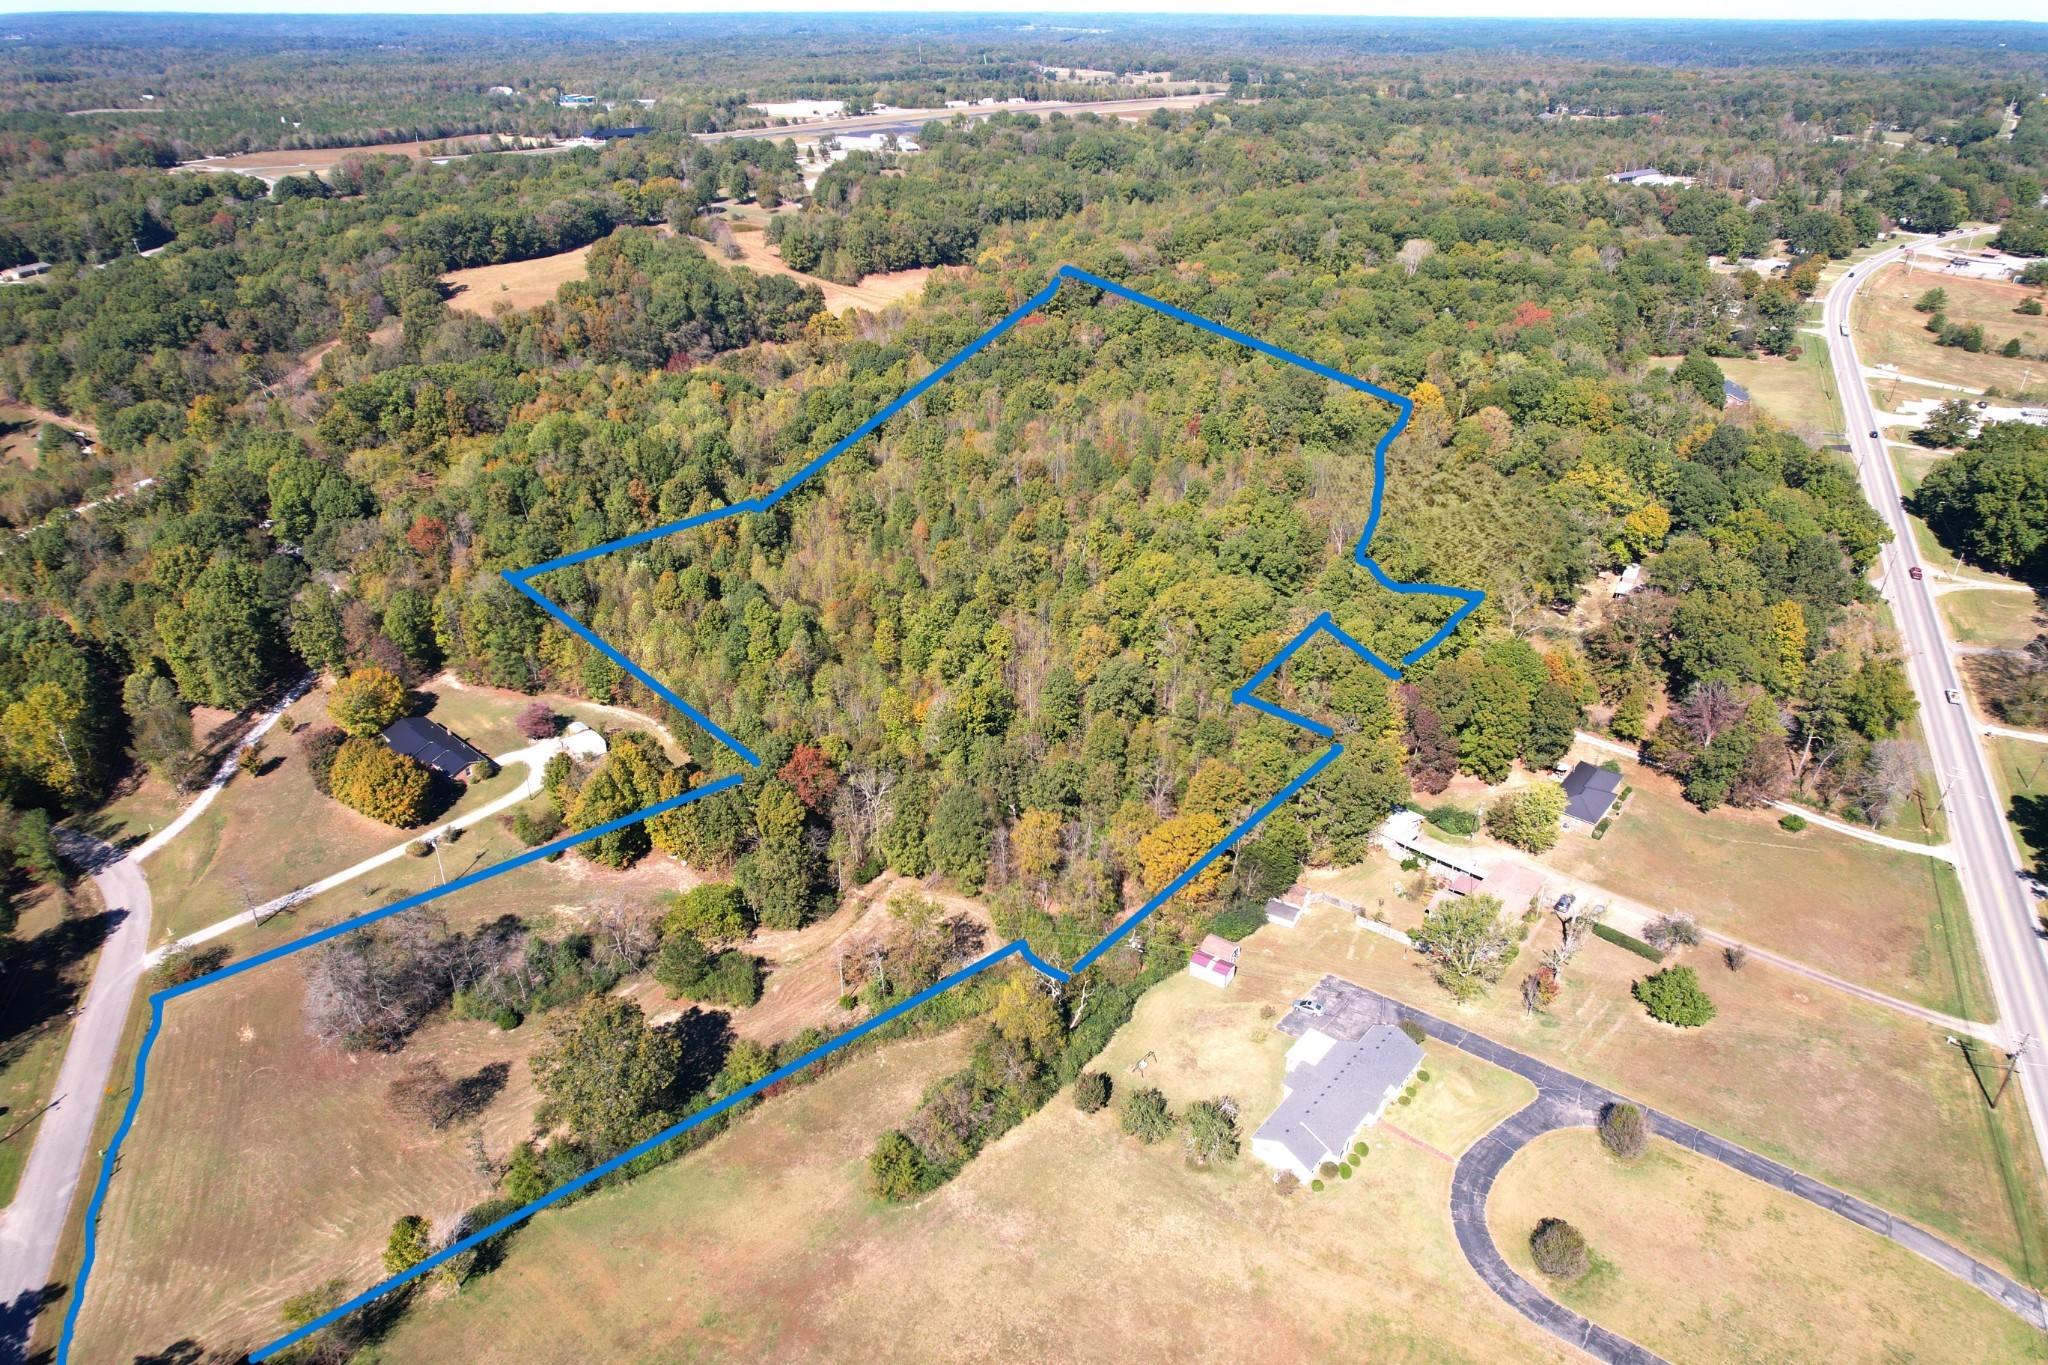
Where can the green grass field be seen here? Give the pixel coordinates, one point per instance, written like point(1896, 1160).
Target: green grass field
point(1993, 620)
point(2021, 768)
point(1700, 1263)
point(1887, 919)
point(1800, 393)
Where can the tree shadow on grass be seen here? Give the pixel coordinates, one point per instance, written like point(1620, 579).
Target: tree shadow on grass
point(45, 977)
point(17, 1317)
point(2030, 818)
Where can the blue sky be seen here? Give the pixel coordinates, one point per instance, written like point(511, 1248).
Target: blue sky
point(1864, 10)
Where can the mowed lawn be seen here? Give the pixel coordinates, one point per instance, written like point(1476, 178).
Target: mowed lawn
point(1800, 393)
point(1888, 331)
point(265, 836)
point(1851, 1093)
point(1887, 919)
point(1702, 1264)
point(1063, 1241)
point(1993, 620)
point(263, 1163)
point(2021, 767)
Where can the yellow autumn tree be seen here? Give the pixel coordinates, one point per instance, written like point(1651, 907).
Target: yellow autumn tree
point(1172, 847)
point(1785, 629)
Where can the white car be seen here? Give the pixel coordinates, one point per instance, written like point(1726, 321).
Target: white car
point(1955, 698)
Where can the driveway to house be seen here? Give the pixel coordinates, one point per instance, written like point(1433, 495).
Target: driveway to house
point(534, 758)
point(1565, 1101)
point(32, 1223)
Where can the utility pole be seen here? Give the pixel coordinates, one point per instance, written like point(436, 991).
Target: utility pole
point(2012, 1065)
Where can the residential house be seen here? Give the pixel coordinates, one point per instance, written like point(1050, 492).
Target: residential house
point(1332, 1091)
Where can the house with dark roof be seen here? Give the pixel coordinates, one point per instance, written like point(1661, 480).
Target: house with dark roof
point(431, 745)
point(1333, 1090)
point(1589, 792)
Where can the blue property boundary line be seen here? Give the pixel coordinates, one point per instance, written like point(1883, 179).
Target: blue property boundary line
point(521, 579)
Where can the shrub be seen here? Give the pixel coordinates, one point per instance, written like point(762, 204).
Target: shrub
point(1345, 1170)
point(1622, 1131)
point(1091, 1092)
point(250, 760)
point(1416, 1033)
point(1628, 941)
point(411, 1242)
point(538, 721)
point(1559, 1249)
point(1792, 824)
point(715, 912)
point(366, 701)
point(1674, 996)
point(1145, 1116)
point(896, 1171)
point(731, 978)
point(318, 747)
point(1407, 1097)
point(381, 784)
point(182, 964)
point(1328, 1170)
point(1669, 932)
point(1239, 922)
point(1286, 1183)
point(1209, 1131)
point(536, 828)
point(419, 848)
point(1421, 1077)
point(483, 770)
point(1736, 956)
point(1453, 819)
point(1316, 1185)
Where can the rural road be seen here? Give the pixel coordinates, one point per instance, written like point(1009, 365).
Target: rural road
point(1566, 1101)
point(31, 1225)
point(1988, 860)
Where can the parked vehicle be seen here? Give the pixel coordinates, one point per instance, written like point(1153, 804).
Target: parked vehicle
point(1309, 1006)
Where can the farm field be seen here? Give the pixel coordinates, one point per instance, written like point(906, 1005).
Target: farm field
point(1890, 332)
point(1784, 1069)
point(302, 160)
point(764, 1245)
point(1700, 1263)
point(1888, 919)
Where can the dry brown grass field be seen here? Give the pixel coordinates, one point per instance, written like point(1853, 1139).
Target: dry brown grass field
point(516, 284)
point(1702, 1264)
point(262, 1163)
point(1889, 332)
point(1064, 1240)
point(874, 293)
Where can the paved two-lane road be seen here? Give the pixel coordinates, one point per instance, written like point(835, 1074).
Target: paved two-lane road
point(1988, 860)
point(32, 1223)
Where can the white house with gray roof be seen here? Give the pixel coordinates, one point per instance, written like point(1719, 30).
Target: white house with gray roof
point(1333, 1090)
